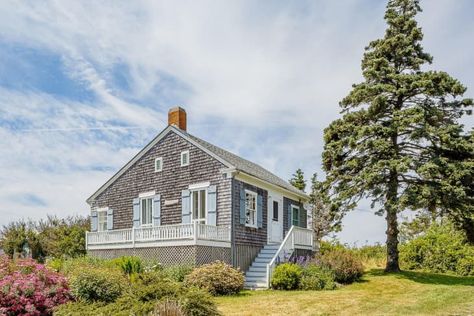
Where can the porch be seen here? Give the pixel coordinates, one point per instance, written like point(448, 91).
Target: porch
point(160, 236)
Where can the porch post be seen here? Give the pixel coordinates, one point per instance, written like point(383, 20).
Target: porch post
point(195, 231)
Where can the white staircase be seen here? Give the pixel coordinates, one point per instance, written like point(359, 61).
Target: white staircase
point(256, 276)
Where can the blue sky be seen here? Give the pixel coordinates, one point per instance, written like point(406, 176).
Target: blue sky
point(85, 85)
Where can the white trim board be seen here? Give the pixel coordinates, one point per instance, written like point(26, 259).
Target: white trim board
point(244, 177)
point(163, 243)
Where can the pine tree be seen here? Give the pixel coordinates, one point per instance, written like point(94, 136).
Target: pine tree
point(391, 123)
point(325, 218)
point(298, 180)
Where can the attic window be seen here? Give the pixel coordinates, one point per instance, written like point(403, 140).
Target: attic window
point(158, 164)
point(185, 158)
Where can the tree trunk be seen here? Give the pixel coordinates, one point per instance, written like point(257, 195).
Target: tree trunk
point(392, 225)
point(392, 241)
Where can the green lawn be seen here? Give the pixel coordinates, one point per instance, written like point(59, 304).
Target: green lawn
point(408, 293)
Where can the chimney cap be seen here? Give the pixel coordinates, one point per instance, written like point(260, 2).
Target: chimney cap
point(176, 108)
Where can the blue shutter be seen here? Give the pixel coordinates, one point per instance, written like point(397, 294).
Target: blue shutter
point(290, 220)
point(242, 206)
point(303, 219)
point(94, 221)
point(259, 211)
point(157, 210)
point(110, 219)
point(211, 205)
point(136, 212)
point(185, 207)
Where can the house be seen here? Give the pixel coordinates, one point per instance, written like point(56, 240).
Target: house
point(182, 200)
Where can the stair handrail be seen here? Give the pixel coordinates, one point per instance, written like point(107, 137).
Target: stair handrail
point(289, 238)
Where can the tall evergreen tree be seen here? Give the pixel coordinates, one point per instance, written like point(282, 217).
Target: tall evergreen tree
point(325, 218)
point(391, 123)
point(298, 180)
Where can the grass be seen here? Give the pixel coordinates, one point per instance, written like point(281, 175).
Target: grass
point(378, 293)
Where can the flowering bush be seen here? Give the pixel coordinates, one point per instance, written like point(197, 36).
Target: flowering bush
point(29, 288)
point(217, 278)
point(286, 276)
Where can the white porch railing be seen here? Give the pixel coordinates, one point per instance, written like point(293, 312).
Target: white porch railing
point(194, 231)
point(296, 238)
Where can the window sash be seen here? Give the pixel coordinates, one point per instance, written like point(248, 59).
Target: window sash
point(146, 209)
point(251, 209)
point(159, 164)
point(198, 204)
point(101, 221)
point(184, 158)
point(295, 215)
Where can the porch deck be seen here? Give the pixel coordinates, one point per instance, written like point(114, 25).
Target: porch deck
point(156, 236)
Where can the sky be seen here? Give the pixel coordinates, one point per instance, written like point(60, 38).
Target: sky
point(84, 85)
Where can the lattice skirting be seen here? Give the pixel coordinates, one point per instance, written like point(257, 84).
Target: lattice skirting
point(170, 256)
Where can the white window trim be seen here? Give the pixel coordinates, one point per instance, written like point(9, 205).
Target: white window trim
point(161, 164)
point(297, 208)
point(147, 194)
point(144, 196)
point(198, 188)
point(255, 194)
point(200, 185)
point(101, 210)
point(186, 152)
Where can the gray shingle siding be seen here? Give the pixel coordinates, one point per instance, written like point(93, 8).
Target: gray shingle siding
point(141, 177)
point(243, 234)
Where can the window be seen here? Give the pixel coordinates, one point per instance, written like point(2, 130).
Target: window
point(295, 215)
point(158, 164)
point(146, 208)
point(198, 204)
point(102, 220)
point(185, 158)
point(250, 208)
point(275, 211)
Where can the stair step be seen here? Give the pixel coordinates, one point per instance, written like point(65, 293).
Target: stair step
point(263, 260)
point(256, 274)
point(255, 285)
point(257, 269)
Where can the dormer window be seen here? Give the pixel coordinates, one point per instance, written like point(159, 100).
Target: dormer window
point(158, 164)
point(185, 158)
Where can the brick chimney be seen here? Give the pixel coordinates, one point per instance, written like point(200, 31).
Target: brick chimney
point(177, 117)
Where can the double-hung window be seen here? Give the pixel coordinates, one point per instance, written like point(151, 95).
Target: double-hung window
point(101, 220)
point(295, 215)
point(250, 208)
point(198, 205)
point(146, 209)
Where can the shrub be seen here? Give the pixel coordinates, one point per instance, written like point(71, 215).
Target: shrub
point(345, 264)
point(29, 288)
point(217, 278)
point(316, 277)
point(168, 308)
point(129, 264)
point(97, 284)
point(286, 276)
point(440, 249)
point(150, 286)
point(145, 292)
point(178, 273)
point(196, 302)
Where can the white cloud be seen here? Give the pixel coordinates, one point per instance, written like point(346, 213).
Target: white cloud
point(262, 79)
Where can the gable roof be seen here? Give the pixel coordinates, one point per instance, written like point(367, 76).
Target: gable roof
point(227, 158)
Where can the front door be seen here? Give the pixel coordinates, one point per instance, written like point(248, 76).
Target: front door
point(275, 217)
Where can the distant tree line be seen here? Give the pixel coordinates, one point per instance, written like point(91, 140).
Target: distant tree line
point(52, 237)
